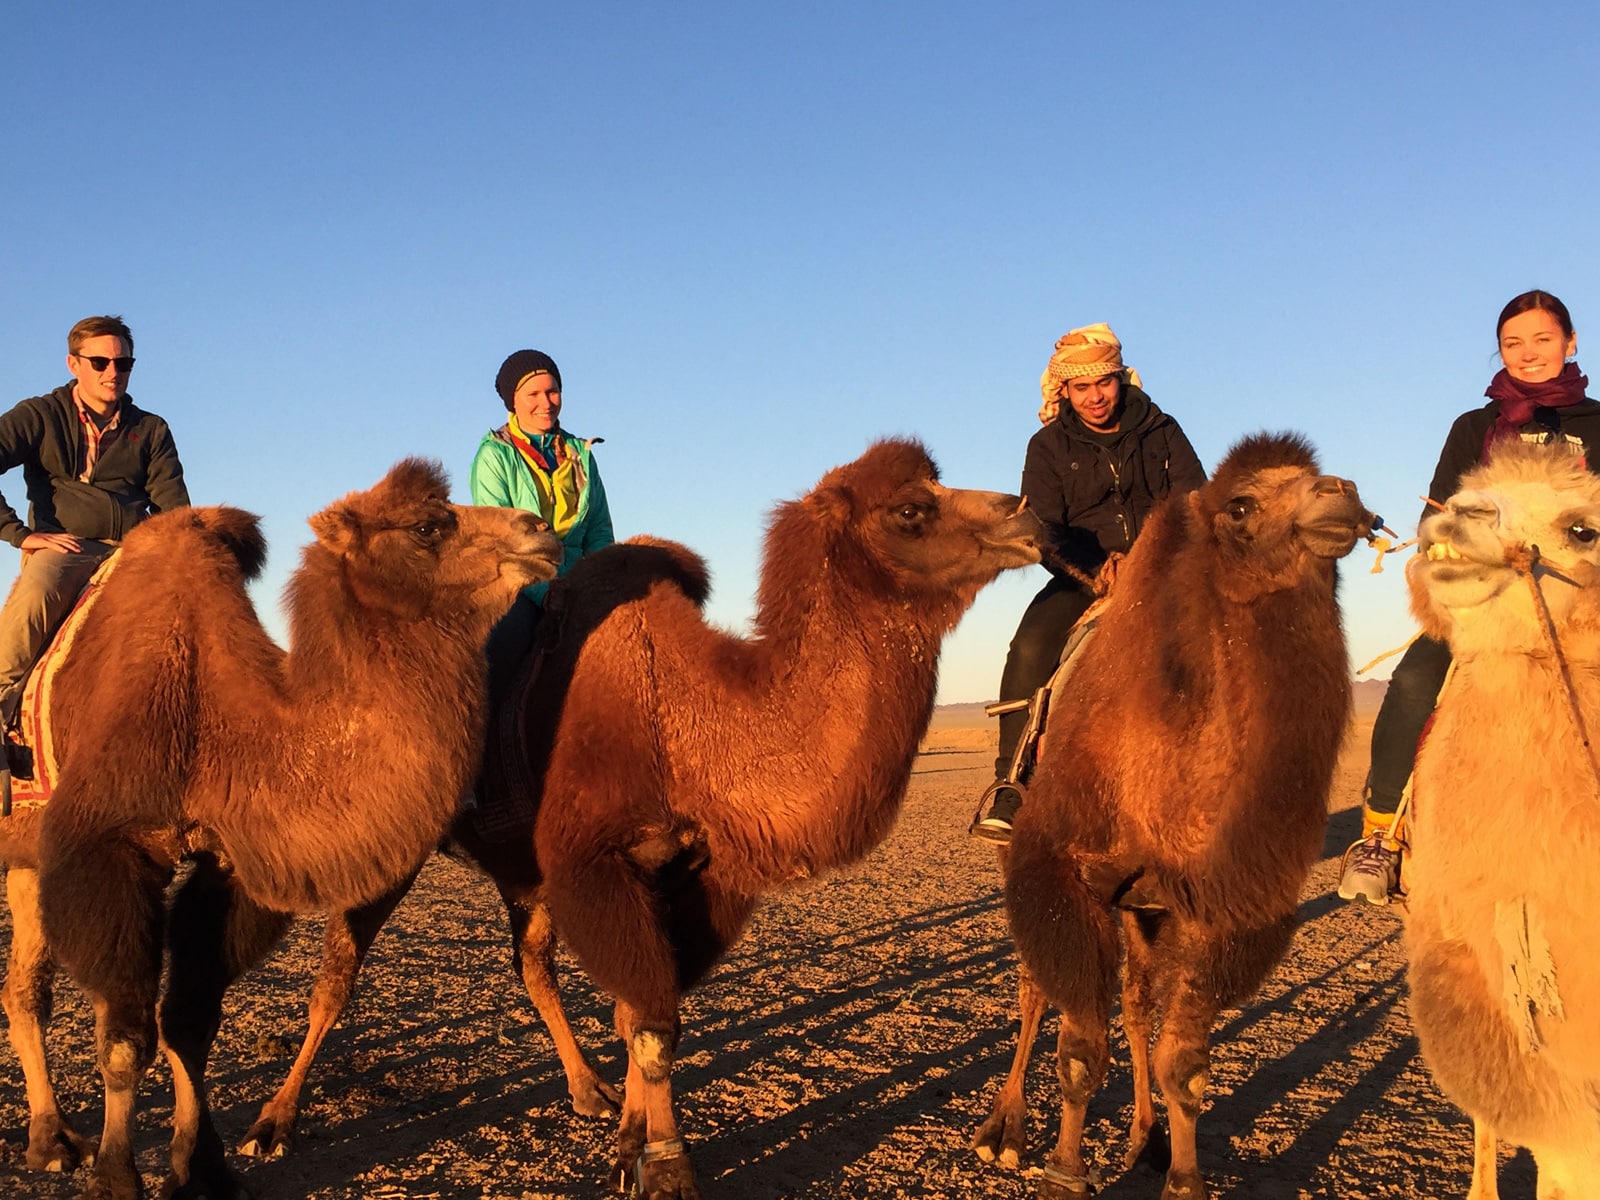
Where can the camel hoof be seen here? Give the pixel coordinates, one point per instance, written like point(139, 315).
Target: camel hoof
point(54, 1146)
point(1187, 1186)
point(1001, 1139)
point(596, 1098)
point(1061, 1184)
point(129, 1187)
point(663, 1172)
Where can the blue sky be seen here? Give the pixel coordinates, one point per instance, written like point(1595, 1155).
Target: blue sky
point(757, 237)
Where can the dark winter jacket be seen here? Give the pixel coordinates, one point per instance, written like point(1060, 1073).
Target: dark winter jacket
point(1577, 424)
point(137, 472)
point(1094, 491)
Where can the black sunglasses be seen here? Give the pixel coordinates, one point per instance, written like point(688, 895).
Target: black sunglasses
point(100, 362)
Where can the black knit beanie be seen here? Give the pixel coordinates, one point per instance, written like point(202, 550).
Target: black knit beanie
point(518, 367)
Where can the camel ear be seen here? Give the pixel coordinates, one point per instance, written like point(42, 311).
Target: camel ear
point(334, 528)
point(831, 506)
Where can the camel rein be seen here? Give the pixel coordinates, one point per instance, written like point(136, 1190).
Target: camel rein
point(1526, 564)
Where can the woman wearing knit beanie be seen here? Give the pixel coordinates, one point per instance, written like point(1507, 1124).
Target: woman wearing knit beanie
point(532, 463)
point(1106, 454)
point(1539, 396)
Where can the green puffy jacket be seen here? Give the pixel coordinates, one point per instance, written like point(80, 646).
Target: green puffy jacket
point(500, 478)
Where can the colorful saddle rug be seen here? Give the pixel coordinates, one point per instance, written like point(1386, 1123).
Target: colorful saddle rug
point(31, 735)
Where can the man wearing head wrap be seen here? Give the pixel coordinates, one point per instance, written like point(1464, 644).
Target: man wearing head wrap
point(1105, 456)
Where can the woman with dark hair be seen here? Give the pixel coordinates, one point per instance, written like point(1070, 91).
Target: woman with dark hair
point(1538, 396)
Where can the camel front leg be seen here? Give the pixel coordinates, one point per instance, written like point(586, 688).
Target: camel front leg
point(53, 1145)
point(533, 951)
point(1485, 1162)
point(345, 941)
point(1003, 1137)
point(652, 1160)
point(1183, 1069)
point(1082, 1058)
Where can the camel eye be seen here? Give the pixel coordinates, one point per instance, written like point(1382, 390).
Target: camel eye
point(1583, 535)
point(428, 532)
point(1241, 507)
point(911, 513)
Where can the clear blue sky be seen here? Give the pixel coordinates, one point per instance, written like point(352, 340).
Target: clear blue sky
point(757, 237)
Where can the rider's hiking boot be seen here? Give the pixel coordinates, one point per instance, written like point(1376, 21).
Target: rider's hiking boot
point(1371, 870)
point(993, 822)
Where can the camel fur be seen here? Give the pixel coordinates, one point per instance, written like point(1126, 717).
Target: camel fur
point(316, 778)
point(688, 771)
point(1505, 828)
point(1180, 797)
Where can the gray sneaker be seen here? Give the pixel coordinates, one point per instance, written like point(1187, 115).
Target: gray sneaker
point(993, 823)
point(1371, 871)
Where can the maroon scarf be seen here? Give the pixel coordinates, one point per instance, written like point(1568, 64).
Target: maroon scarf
point(1518, 399)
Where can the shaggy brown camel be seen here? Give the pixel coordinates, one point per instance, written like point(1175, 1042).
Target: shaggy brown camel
point(688, 771)
point(313, 779)
point(1183, 779)
point(1505, 829)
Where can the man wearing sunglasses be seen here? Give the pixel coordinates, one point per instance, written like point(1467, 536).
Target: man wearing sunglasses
point(94, 465)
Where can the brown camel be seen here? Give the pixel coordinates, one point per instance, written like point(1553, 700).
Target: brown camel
point(688, 771)
point(1183, 781)
point(317, 778)
point(1505, 831)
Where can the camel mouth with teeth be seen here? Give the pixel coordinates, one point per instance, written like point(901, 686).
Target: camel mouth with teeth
point(1456, 580)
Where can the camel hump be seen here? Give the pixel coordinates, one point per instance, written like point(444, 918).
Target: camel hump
point(632, 568)
point(236, 532)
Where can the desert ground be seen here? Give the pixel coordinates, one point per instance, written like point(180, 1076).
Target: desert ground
point(848, 1048)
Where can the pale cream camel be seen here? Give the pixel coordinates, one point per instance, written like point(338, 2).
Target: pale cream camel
point(1504, 895)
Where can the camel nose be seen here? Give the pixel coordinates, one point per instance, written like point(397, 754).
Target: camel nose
point(1332, 485)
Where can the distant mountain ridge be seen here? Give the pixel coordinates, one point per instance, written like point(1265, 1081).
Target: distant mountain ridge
point(1367, 695)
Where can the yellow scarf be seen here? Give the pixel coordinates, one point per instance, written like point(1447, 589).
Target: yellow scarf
point(556, 482)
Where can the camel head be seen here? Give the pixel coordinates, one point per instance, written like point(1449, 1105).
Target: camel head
point(886, 518)
point(1528, 518)
point(1275, 519)
point(401, 548)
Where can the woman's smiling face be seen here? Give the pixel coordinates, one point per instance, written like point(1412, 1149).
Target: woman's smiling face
point(1533, 346)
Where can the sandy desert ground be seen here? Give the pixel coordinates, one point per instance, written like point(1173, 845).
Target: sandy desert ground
point(848, 1048)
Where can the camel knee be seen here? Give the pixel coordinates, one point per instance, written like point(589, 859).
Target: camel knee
point(1081, 1066)
point(123, 1062)
point(652, 1052)
point(1184, 1072)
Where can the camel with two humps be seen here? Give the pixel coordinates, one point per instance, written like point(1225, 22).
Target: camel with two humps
point(687, 771)
point(1179, 799)
point(294, 781)
point(1503, 897)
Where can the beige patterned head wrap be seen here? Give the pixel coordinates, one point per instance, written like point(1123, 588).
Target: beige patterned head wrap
point(1092, 350)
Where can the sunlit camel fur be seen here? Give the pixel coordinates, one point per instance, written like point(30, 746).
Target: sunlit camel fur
point(313, 779)
point(690, 771)
point(1504, 894)
point(1184, 776)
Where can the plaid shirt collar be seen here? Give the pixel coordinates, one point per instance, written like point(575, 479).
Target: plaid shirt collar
point(93, 433)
